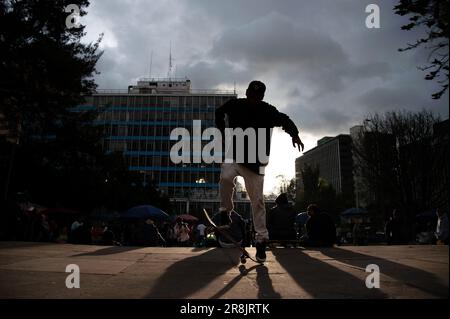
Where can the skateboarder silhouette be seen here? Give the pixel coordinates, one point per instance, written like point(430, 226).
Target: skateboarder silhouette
point(251, 112)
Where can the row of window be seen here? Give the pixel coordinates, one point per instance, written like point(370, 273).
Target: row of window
point(164, 161)
point(142, 146)
point(123, 130)
point(158, 101)
point(154, 116)
point(197, 178)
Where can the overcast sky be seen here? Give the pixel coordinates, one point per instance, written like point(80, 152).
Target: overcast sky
point(320, 63)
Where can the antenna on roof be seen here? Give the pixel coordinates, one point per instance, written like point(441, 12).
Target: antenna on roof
point(169, 72)
point(151, 62)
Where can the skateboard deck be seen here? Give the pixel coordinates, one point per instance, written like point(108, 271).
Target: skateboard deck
point(245, 253)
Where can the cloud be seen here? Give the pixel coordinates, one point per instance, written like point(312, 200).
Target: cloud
point(383, 99)
point(214, 74)
point(274, 39)
point(320, 63)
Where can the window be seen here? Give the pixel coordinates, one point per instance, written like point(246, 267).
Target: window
point(152, 101)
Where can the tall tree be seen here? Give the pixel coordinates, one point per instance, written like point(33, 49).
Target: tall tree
point(45, 68)
point(398, 153)
point(286, 186)
point(432, 15)
point(319, 191)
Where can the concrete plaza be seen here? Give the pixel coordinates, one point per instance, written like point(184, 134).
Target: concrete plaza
point(37, 270)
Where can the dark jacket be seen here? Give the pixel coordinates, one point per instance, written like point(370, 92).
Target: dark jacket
point(241, 114)
point(280, 222)
point(321, 230)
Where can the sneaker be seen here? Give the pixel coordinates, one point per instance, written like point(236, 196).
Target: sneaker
point(232, 225)
point(261, 252)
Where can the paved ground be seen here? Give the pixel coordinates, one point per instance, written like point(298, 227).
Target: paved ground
point(37, 270)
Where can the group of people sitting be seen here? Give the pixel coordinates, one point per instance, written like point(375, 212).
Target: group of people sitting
point(312, 228)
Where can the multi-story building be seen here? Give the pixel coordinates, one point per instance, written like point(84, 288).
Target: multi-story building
point(333, 157)
point(138, 122)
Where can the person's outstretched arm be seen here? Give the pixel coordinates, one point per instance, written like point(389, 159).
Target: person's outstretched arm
point(281, 119)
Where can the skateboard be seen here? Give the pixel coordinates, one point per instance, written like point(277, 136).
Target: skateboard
point(245, 253)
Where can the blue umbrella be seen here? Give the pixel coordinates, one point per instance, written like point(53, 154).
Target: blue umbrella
point(301, 218)
point(353, 212)
point(144, 212)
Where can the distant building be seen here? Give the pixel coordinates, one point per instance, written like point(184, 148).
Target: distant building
point(138, 122)
point(333, 157)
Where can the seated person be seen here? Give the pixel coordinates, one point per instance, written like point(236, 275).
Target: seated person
point(320, 228)
point(281, 220)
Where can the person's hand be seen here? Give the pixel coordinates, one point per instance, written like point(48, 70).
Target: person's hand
point(297, 142)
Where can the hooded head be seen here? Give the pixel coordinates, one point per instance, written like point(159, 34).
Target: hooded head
point(282, 200)
point(256, 90)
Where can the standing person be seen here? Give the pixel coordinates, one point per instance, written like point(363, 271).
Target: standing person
point(251, 113)
point(181, 231)
point(393, 229)
point(168, 232)
point(152, 236)
point(442, 228)
point(201, 229)
point(108, 237)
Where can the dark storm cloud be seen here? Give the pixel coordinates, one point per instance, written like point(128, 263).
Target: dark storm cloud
point(274, 39)
point(319, 120)
point(214, 74)
point(403, 98)
point(321, 64)
point(275, 44)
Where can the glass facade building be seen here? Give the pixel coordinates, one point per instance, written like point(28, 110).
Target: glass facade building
point(139, 121)
point(333, 157)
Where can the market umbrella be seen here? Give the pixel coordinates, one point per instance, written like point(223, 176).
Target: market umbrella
point(354, 211)
point(187, 218)
point(145, 212)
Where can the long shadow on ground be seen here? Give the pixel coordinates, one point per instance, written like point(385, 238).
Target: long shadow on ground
point(410, 276)
point(185, 277)
point(322, 280)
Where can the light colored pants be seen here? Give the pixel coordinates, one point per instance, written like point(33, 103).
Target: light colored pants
point(254, 184)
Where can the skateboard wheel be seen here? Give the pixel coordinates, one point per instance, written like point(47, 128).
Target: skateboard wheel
point(243, 260)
